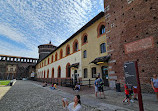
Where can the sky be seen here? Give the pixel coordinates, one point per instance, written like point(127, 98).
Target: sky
point(26, 24)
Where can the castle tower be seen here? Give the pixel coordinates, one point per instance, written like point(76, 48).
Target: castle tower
point(45, 49)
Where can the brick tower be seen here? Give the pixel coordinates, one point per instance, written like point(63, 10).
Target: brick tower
point(45, 49)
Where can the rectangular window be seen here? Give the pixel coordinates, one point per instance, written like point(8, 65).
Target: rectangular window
point(103, 48)
point(85, 73)
point(11, 69)
point(93, 72)
point(85, 54)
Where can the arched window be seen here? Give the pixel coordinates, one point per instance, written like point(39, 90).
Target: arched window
point(48, 60)
point(84, 39)
point(75, 46)
point(48, 73)
point(52, 72)
point(45, 63)
point(61, 54)
point(68, 70)
point(52, 59)
point(68, 49)
point(56, 56)
point(102, 29)
point(44, 74)
point(59, 71)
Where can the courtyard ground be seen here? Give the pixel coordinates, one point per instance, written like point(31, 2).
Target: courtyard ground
point(31, 96)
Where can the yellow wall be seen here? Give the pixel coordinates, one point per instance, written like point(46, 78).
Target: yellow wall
point(64, 49)
point(77, 37)
point(93, 48)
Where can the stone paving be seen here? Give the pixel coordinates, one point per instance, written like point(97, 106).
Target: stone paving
point(113, 99)
point(4, 90)
point(28, 96)
point(31, 96)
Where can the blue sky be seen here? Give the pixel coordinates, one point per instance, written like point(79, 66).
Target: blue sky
point(25, 24)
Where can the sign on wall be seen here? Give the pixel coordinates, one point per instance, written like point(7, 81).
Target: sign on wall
point(139, 45)
point(130, 73)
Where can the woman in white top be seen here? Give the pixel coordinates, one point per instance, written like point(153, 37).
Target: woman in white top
point(74, 106)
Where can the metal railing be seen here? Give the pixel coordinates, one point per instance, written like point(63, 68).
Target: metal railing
point(67, 82)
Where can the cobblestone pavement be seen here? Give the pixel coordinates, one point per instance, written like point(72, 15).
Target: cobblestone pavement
point(113, 99)
point(27, 96)
point(31, 96)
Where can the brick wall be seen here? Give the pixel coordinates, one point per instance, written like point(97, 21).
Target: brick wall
point(129, 21)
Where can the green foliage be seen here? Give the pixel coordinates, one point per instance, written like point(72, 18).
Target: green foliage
point(4, 82)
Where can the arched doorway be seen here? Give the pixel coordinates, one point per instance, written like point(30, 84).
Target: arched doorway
point(52, 72)
point(48, 73)
point(59, 71)
point(68, 70)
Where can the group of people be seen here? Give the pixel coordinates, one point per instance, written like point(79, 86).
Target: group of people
point(132, 90)
point(98, 84)
point(54, 86)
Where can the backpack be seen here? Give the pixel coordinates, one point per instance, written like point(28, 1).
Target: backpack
point(101, 83)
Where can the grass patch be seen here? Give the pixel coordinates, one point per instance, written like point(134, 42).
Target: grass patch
point(4, 82)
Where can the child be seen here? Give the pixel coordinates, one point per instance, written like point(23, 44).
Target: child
point(131, 93)
point(135, 92)
point(127, 94)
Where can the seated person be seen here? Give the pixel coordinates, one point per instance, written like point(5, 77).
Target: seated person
point(77, 87)
point(53, 86)
point(44, 84)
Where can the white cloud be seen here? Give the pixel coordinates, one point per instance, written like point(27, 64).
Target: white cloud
point(10, 49)
point(38, 21)
point(11, 33)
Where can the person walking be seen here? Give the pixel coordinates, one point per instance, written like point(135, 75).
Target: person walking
point(96, 86)
point(154, 84)
point(135, 92)
point(127, 98)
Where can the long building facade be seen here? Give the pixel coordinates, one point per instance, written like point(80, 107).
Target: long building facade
point(81, 57)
